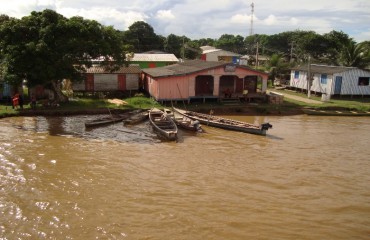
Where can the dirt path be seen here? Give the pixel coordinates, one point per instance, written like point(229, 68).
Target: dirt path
point(301, 99)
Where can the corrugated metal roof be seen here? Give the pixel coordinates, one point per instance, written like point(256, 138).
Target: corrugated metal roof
point(147, 57)
point(211, 50)
point(205, 48)
point(222, 52)
point(100, 69)
point(182, 68)
point(188, 67)
point(315, 68)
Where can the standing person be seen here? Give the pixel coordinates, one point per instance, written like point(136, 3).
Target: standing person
point(33, 101)
point(15, 100)
point(20, 101)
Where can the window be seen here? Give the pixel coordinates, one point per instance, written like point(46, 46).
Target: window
point(324, 79)
point(296, 74)
point(363, 81)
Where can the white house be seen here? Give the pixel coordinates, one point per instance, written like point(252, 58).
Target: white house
point(219, 55)
point(332, 80)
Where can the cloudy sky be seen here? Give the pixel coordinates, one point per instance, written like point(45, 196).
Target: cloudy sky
point(211, 18)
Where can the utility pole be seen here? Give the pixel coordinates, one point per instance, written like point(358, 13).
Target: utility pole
point(257, 46)
point(309, 77)
point(291, 51)
point(183, 49)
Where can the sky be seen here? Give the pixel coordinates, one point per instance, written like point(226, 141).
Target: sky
point(198, 19)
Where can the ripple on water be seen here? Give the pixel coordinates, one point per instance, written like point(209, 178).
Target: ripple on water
point(119, 182)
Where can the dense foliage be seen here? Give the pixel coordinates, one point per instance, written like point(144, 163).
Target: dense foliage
point(45, 48)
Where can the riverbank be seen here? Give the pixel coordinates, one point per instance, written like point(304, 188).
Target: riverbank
point(291, 106)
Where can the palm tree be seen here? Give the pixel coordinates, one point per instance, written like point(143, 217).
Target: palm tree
point(355, 55)
point(278, 67)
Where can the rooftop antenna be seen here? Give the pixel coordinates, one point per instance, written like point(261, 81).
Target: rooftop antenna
point(251, 28)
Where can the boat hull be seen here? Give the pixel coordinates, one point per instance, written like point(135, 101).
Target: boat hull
point(335, 113)
point(224, 123)
point(163, 124)
point(137, 118)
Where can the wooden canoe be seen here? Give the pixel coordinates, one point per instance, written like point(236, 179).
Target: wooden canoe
point(310, 111)
point(103, 121)
point(187, 123)
point(163, 124)
point(137, 118)
point(225, 123)
point(108, 119)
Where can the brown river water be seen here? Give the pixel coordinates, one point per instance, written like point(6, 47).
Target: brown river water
point(309, 178)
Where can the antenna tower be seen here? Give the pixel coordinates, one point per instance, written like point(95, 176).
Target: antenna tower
point(251, 29)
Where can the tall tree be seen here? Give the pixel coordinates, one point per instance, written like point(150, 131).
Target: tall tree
point(257, 40)
point(205, 42)
point(45, 48)
point(277, 67)
point(191, 49)
point(335, 41)
point(142, 37)
point(355, 55)
point(174, 44)
point(231, 43)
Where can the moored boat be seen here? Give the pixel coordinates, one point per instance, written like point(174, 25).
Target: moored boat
point(113, 118)
point(187, 123)
point(225, 123)
point(339, 112)
point(137, 118)
point(103, 121)
point(163, 124)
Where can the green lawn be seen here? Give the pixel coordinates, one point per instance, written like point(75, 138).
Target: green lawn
point(356, 103)
point(86, 104)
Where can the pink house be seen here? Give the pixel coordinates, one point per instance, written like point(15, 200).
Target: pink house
point(197, 79)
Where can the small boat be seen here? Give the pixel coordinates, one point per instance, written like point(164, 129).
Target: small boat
point(103, 121)
point(339, 112)
point(187, 123)
point(108, 119)
point(225, 123)
point(163, 124)
point(137, 118)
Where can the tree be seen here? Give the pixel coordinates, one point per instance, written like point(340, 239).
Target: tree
point(205, 42)
point(45, 48)
point(277, 67)
point(230, 43)
point(250, 44)
point(355, 55)
point(335, 41)
point(174, 44)
point(142, 37)
point(192, 49)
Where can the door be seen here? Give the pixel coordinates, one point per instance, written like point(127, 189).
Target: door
point(89, 83)
point(338, 85)
point(204, 85)
point(250, 84)
point(121, 82)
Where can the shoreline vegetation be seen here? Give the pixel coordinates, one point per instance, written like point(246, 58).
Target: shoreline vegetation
point(88, 106)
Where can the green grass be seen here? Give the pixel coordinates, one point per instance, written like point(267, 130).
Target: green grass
point(87, 104)
point(142, 102)
point(289, 105)
point(7, 110)
point(358, 103)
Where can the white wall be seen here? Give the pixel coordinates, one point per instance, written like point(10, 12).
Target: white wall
point(349, 82)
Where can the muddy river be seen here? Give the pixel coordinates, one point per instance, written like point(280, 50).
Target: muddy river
point(309, 178)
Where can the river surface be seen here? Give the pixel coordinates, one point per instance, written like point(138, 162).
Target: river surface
point(309, 178)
